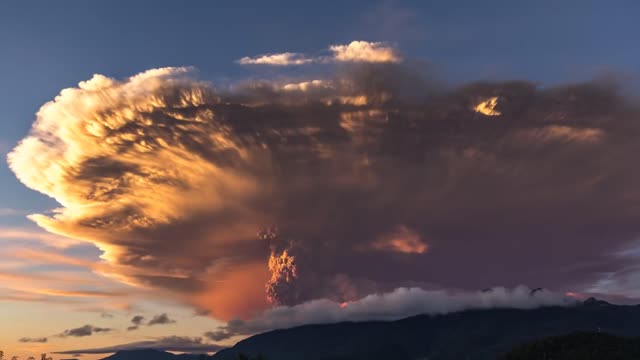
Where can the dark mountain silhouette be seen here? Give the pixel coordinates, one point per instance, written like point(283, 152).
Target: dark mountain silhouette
point(473, 334)
point(583, 346)
point(595, 302)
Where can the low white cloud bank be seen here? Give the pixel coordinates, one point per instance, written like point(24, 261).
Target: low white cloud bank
point(397, 304)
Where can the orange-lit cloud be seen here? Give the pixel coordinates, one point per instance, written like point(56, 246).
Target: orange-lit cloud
point(78, 293)
point(364, 51)
point(43, 275)
point(402, 240)
point(562, 133)
point(283, 273)
point(47, 257)
point(144, 172)
point(237, 292)
point(488, 107)
point(13, 233)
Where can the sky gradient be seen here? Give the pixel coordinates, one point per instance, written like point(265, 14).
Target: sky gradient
point(299, 146)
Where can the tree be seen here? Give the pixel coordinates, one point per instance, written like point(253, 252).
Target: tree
point(14, 358)
point(242, 356)
point(1, 355)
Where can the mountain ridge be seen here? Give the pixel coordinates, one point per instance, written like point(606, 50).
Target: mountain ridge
point(478, 334)
point(471, 334)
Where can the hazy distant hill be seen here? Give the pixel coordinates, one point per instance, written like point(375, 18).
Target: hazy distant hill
point(476, 334)
point(150, 354)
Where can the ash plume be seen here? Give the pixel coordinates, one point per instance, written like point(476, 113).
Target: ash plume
point(377, 176)
point(282, 288)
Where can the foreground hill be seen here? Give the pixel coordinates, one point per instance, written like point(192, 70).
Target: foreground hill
point(475, 334)
point(583, 346)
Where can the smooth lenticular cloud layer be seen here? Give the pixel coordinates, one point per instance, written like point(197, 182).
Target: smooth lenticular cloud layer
point(357, 183)
point(168, 343)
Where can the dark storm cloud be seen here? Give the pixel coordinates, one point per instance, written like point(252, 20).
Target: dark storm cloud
point(169, 343)
point(83, 331)
point(161, 319)
point(33, 340)
point(375, 178)
point(137, 320)
point(219, 335)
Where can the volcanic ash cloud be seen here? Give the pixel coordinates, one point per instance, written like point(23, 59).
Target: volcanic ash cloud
point(376, 177)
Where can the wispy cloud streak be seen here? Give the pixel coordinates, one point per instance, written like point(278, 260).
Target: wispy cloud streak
point(354, 52)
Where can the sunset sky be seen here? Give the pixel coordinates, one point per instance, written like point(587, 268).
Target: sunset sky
point(182, 174)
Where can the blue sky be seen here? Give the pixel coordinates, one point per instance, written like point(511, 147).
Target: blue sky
point(46, 46)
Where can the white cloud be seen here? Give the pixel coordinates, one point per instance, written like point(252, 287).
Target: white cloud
point(277, 59)
point(398, 304)
point(307, 85)
point(364, 51)
point(354, 52)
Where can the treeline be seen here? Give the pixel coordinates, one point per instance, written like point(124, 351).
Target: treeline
point(247, 357)
point(580, 345)
point(42, 357)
